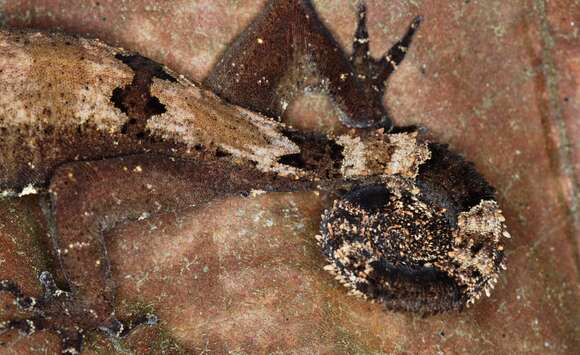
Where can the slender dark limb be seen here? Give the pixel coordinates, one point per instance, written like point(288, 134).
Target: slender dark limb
point(89, 198)
point(24, 326)
point(379, 70)
point(396, 54)
point(373, 73)
point(360, 44)
point(287, 51)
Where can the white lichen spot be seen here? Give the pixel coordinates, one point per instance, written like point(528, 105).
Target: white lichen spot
point(477, 248)
point(255, 193)
point(195, 116)
point(143, 216)
point(8, 193)
point(28, 190)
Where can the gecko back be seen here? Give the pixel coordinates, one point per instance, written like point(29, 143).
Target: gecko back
point(65, 99)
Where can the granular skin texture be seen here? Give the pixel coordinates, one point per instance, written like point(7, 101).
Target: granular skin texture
point(66, 98)
point(383, 154)
point(394, 244)
point(72, 99)
point(495, 80)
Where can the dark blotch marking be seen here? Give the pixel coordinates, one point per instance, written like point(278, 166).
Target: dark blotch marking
point(423, 290)
point(135, 99)
point(220, 153)
point(317, 153)
point(370, 198)
point(452, 182)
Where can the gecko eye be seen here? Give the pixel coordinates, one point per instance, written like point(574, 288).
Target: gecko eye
point(416, 245)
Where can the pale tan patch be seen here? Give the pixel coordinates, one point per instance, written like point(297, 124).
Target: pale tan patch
point(383, 154)
point(59, 81)
point(196, 116)
point(476, 242)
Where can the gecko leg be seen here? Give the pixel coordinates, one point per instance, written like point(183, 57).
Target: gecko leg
point(54, 304)
point(373, 73)
point(288, 51)
point(379, 70)
point(87, 199)
point(396, 54)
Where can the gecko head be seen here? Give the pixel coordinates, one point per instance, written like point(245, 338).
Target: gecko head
point(413, 244)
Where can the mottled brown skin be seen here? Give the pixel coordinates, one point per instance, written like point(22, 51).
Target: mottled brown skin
point(451, 182)
point(398, 278)
point(297, 53)
point(66, 99)
point(94, 182)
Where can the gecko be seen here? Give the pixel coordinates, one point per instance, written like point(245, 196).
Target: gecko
point(106, 135)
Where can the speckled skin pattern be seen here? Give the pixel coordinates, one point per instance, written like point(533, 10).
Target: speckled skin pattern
point(54, 122)
point(56, 107)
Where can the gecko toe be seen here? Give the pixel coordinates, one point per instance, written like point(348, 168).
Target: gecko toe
point(24, 326)
point(56, 310)
point(72, 341)
point(120, 329)
point(51, 290)
point(23, 303)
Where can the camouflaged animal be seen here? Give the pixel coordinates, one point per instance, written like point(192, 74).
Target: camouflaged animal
point(417, 229)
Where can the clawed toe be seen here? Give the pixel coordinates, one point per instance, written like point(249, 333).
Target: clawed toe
point(50, 289)
point(43, 311)
point(374, 72)
point(119, 329)
point(23, 326)
point(369, 76)
point(22, 302)
point(56, 310)
point(378, 70)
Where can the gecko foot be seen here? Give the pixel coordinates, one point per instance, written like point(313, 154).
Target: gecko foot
point(58, 311)
point(119, 329)
point(374, 72)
